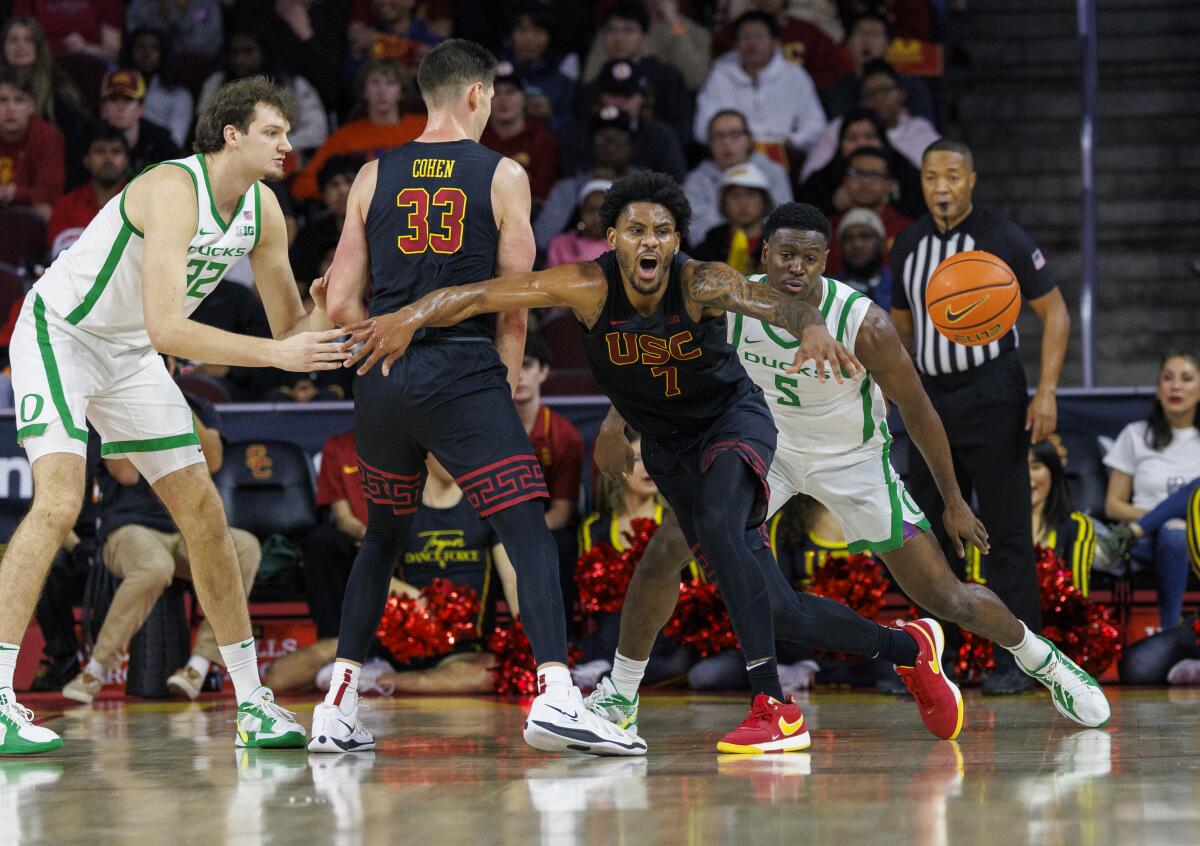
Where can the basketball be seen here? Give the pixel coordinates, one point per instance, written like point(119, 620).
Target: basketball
point(973, 298)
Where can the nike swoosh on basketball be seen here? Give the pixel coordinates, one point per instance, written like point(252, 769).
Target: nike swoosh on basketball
point(574, 717)
point(955, 316)
point(790, 728)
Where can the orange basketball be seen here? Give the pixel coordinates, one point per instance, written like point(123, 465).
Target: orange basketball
point(973, 298)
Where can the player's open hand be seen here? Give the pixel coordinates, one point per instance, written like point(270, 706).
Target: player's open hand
point(827, 355)
point(963, 527)
point(308, 351)
point(384, 337)
point(613, 453)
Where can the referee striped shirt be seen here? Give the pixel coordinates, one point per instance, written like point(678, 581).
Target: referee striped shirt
point(919, 249)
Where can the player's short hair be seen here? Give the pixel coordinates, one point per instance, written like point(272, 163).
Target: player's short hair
point(646, 187)
point(754, 15)
point(628, 11)
point(233, 105)
point(799, 216)
point(950, 145)
point(451, 66)
point(343, 164)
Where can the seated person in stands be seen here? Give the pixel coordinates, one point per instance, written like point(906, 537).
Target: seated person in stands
point(869, 37)
point(745, 201)
point(447, 540)
point(1152, 459)
point(320, 234)
point(107, 165)
point(870, 185)
point(729, 144)
point(861, 240)
point(585, 240)
point(122, 95)
point(31, 150)
point(1056, 525)
point(622, 502)
point(144, 549)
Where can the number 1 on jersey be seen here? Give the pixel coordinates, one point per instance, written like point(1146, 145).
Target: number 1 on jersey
point(672, 374)
point(450, 207)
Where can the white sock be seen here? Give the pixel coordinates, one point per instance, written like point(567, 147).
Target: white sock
point(200, 665)
point(343, 687)
point(94, 669)
point(549, 677)
point(627, 675)
point(1032, 651)
point(8, 663)
point(242, 664)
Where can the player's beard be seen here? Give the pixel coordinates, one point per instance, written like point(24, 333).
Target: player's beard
point(629, 267)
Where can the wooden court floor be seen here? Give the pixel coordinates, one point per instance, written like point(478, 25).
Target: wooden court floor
point(456, 771)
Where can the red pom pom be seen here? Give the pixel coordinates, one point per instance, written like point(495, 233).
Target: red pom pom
point(1084, 631)
point(856, 580)
point(603, 574)
point(515, 672)
point(444, 616)
point(701, 621)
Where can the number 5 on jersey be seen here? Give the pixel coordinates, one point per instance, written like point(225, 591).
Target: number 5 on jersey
point(449, 206)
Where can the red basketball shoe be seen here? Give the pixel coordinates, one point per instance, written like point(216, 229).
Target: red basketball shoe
point(771, 726)
point(938, 699)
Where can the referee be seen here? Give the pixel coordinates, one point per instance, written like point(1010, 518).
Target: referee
point(980, 392)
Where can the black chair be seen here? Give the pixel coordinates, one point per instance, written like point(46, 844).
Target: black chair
point(24, 236)
point(268, 488)
point(1086, 476)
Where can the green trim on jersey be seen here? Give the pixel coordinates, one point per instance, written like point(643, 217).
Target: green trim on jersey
point(896, 538)
point(102, 278)
point(150, 444)
point(31, 431)
point(868, 409)
point(257, 216)
point(787, 345)
point(849, 304)
point(212, 198)
point(830, 293)
point(737, 331)
point(125, 217)
point(56, 389)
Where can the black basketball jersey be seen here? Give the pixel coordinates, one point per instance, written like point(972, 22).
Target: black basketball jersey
point(665, 373)
point(431, 225)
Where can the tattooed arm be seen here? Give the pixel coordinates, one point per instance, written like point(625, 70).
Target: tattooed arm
point(718, 288)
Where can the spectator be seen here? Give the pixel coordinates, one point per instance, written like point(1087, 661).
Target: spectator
point(744, 199)
point(824, 183)
point(31, 150)
point(655, 146)
point(556, 443)
point(881, 92)
point(193, 27)
point(1057, 525)
point(391, 31)
point(107, 163)
point(549, 94)
point(308, 37)
point(121, 96)
point(321, 233)
point(55, 96)
point(980, 392)
point(777, 97)
point(861, 240)
point(167, 103)
point(1152, 459)
point(93, 28)
point(802, 41)
point(869, 38)
point(612, 154)
point(525, 140)
point(250, 52)
point(654, 29)
point(729, 144)
point(144, 549)
point(586, 240)
point(623, 36)
point(870, 186)
point(381, 124)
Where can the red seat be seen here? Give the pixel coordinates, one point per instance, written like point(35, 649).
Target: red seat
point(23, 236)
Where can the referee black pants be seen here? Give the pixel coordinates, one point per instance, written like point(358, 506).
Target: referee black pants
point(983, 411)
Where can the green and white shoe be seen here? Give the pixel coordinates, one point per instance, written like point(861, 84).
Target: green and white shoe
point(18, 734)
point(261, 724)
point(612, 705)
point(1075, 694)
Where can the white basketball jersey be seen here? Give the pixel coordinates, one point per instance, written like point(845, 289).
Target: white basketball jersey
point(96, 284)
point(813, 418)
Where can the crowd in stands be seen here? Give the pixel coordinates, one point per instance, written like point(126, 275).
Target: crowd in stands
point(747, 103)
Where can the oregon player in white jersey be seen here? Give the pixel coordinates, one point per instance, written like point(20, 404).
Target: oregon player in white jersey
point(834, 445)
point(86, 349)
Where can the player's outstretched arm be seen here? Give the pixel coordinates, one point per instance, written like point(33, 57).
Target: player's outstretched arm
point(879, 348)
point(164, 285)
point(579, 287)
point(275, 281)
point(717, 288)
